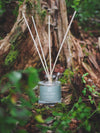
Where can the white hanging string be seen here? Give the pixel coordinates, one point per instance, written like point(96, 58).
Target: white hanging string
point(40, 44)
point(49, 46)
point(63, 42)
point(35, 45)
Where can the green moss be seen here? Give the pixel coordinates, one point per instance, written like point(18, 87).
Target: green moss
point(11, 57)
point(15, 39)
point(43, 14)
point(67, 75)
point(86, 53)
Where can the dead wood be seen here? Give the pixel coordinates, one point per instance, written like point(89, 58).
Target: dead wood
point(89, 70)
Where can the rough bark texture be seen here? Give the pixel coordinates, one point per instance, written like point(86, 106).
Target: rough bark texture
point(19, 39)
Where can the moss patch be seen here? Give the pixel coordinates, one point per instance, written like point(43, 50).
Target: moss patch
point(11, 57)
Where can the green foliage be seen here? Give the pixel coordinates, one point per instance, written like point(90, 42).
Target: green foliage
point(62, 118)
point(68, 120)
point(87, 9)
point(3, 4)
point(2, 9)
point(14, 51)
point(37, 7)
point(84, 75)
point(15, 11)
point(14, 108)
point(11, 57)
point(60, 121)
point(67, 75)
point(90, 90)
point(42, 12)
point(39, 118)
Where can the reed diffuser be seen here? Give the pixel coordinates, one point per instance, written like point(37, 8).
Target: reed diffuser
point(50, 91)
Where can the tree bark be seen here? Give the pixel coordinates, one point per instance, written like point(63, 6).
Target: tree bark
point(19, 38)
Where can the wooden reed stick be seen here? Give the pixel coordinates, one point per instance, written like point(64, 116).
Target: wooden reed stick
point(49, 47)
point(40, 45)
point(63, 42)
point(35, 45)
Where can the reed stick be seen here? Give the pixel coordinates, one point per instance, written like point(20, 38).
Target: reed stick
point(40, 45)
point(63, 42)
point(35, 45)
point(49, 47)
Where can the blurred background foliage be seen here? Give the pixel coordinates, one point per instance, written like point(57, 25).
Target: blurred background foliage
point(88, 11)
point(3, 4)
point(16, 99)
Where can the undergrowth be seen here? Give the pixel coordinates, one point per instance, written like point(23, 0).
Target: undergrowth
point(18, 101)
point(87, 11)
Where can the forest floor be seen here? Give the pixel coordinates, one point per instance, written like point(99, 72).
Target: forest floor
point(91, 40)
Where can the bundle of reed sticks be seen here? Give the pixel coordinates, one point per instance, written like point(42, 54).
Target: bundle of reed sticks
point(48, 71)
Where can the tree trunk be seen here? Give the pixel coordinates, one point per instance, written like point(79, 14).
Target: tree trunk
point(17, 49)
point(20, 39)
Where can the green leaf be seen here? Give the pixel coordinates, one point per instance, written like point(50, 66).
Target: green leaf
point(13, 112)
point(49, 119)
point(84, 92)
point(11, 120)
point(14, 76)
point(88, 127)
point(57, 114)
point(39, 118)
point(84, 75)
point(90, 98)
point(33, 78)
point(92, 101)
point(93, 86)
point(76, 105)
